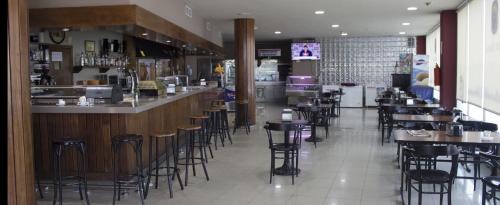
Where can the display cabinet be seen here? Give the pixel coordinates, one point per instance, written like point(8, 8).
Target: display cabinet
point(301, 88)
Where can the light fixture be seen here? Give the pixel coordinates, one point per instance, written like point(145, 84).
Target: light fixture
point(405, 24)
point(66, 29)
point(343, 34)
point(144, 34)
point(278, 186)
point(402, 33)
point(319, 12)
point(277, 32)
point(412, 8)
point(335, 26)
point(168, 41)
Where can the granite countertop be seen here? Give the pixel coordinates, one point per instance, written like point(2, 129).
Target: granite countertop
point(128, 105)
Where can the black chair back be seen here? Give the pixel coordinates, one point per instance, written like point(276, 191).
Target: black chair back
point(307, 113)
point(422, 153)
point(283, 127)
point(478, 126)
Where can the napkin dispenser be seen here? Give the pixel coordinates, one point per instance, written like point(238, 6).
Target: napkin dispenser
point(171, 89)
point(286, 115)
point(454, 129)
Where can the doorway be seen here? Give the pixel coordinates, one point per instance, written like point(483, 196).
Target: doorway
point(61, 63)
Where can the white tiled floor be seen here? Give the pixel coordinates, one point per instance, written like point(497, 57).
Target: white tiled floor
point(350, 167)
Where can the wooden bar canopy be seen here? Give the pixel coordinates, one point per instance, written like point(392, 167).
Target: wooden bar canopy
point(129, 19)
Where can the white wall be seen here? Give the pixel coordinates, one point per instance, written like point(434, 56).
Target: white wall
point(77, 40)
point(171, 10)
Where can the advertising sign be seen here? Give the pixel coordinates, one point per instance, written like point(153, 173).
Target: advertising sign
point(420, 70)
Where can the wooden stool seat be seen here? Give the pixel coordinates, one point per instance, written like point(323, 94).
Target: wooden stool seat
point(211, 110)
point(163, 135)
point(202, 117)
point(190, 128)
point(219, 107)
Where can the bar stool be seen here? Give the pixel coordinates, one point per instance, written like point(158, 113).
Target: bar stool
point(170, 175)
point(241, 109)
point(117, 143)
point(58, 148)
point(214, 129)
point(204, 123)
point(224, 122)
point(193, 139)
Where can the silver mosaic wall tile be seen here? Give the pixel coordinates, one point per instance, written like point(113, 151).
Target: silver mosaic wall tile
point(361, 60)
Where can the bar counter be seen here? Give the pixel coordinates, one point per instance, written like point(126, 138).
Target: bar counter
point(99, 123)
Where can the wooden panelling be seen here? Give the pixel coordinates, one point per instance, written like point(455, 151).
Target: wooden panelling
point(20, 172)
point(244, 59)
point(99, 17)
point(98, 129)
point(90, 16)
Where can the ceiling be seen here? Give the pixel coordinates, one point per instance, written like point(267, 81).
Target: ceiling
point(296, 18)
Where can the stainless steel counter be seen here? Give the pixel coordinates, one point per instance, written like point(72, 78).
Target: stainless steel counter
point(128, 105)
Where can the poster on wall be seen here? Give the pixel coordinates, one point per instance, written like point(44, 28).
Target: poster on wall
point(405, 62)
point(420, 70)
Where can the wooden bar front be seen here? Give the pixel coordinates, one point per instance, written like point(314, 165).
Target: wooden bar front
point(98, 129)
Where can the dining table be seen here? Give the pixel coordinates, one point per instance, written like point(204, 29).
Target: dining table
point(286, 169)
point(314, 110)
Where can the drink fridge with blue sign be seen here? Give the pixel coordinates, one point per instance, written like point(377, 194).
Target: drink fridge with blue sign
point(420, 70)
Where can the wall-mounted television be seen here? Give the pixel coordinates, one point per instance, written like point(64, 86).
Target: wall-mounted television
point(306, 51)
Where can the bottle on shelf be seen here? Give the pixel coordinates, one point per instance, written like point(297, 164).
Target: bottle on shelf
point(82, 59)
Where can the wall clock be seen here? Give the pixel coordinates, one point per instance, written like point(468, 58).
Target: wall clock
point(57, 36)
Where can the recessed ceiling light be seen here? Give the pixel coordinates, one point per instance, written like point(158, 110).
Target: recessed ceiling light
point(277, 32)
point(412, 8)
point(319, 12)
point(184, 46)
point(66, 29)
point(402, 33)
point(144, 34)
point(405, 24)
point(343, 34)
point(335, 26)
point(168, 41)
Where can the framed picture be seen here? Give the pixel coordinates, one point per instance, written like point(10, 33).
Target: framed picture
point(89, 46)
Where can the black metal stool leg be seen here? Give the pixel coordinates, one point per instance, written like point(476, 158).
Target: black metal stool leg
point(55, 150)
point(192, 142)
point(83, 154)
point(140, 177)
point(157, 163)
point(114, 172)
point(167, 162)
point(175, 153)
point(203, 161)
point(187, 154)
point(59, 174)
point(37, 179)
point(226, 127)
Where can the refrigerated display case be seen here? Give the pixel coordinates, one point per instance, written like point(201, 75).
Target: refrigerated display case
point(301, 88)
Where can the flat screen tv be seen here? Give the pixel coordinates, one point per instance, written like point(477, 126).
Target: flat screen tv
point(306, 51)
